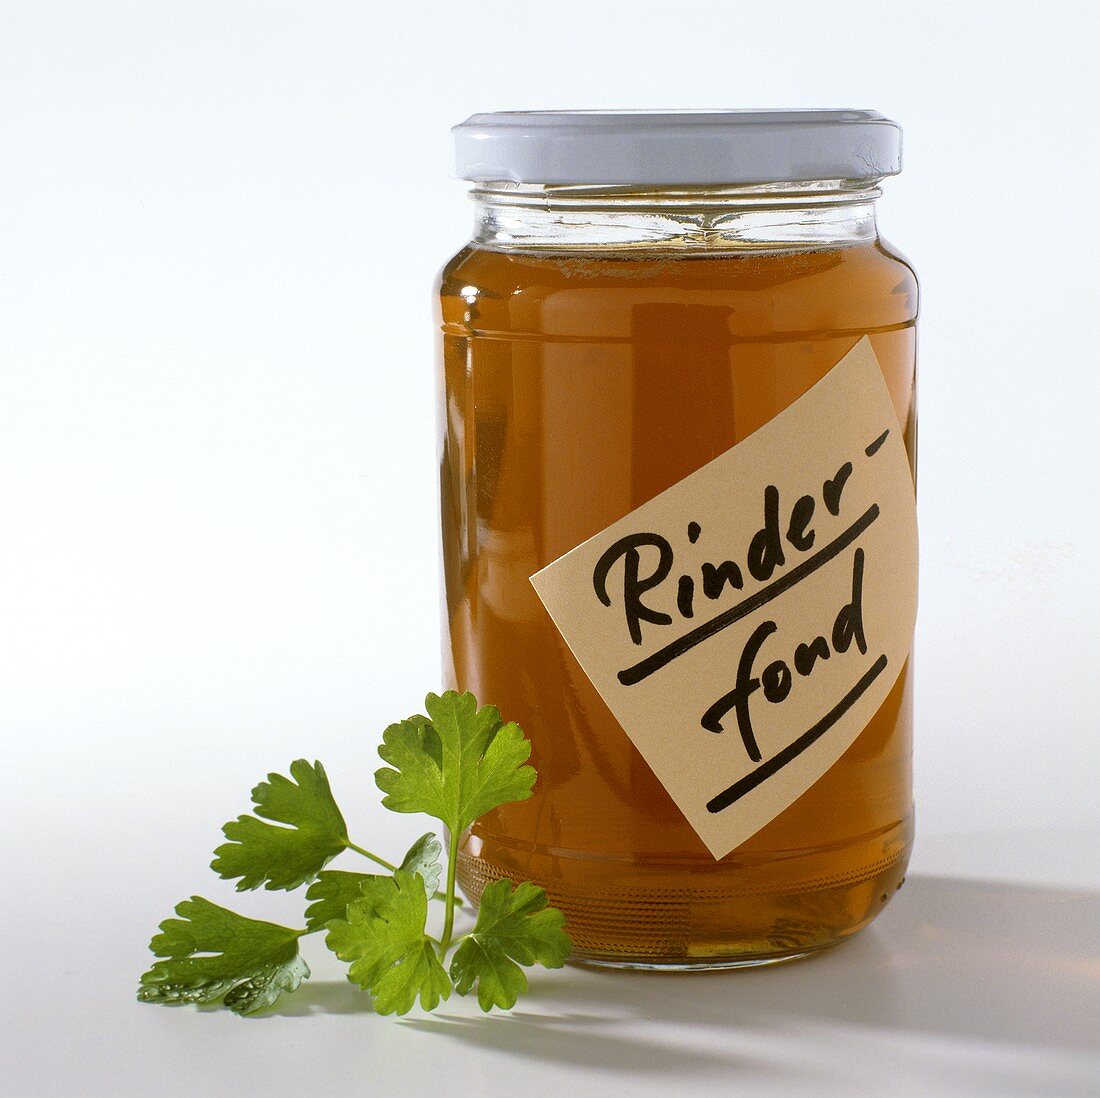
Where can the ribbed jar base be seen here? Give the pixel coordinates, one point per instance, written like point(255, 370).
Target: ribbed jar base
point(699, 966)
point(737, 925)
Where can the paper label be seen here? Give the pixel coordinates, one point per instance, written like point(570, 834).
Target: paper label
point(746, 624)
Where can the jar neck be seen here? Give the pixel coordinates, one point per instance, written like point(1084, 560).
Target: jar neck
point(798, 216)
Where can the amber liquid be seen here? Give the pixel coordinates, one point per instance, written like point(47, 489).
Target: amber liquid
point(576, 386)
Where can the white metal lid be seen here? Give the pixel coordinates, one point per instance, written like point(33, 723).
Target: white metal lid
point(676, 147)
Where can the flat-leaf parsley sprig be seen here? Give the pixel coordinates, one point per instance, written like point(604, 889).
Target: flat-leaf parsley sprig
point(455, 764)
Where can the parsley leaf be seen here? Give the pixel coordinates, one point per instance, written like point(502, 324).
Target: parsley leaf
point(211, 953)
point(511, 926)
point(284, 857)
point(334, 889)
point(423, 860)
point(456, 764)
point(390, 953)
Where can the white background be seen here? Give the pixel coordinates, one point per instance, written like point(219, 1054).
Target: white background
point(219, 227)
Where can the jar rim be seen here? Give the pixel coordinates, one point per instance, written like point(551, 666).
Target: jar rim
point(677, 148)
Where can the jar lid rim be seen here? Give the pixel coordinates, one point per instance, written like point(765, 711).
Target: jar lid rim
point(698, 147)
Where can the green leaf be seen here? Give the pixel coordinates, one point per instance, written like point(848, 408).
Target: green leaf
point(456, 764)
point(511, 926)
point(334, 889)
point(423, 860)
point(284, 857)
point(390, 953)
point(212, 953)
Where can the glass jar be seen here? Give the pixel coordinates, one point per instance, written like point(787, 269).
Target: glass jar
point(642, 292)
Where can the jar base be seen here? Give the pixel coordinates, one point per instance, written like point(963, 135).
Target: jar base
point(736, 917)
point(710, 965)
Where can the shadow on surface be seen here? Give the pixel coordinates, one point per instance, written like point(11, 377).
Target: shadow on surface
point(581, 1040)
point(961, 959)
point(956, 959)
point(321, 997)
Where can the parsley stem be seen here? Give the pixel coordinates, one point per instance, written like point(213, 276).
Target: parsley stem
point(449, 916)
point(373, 857)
